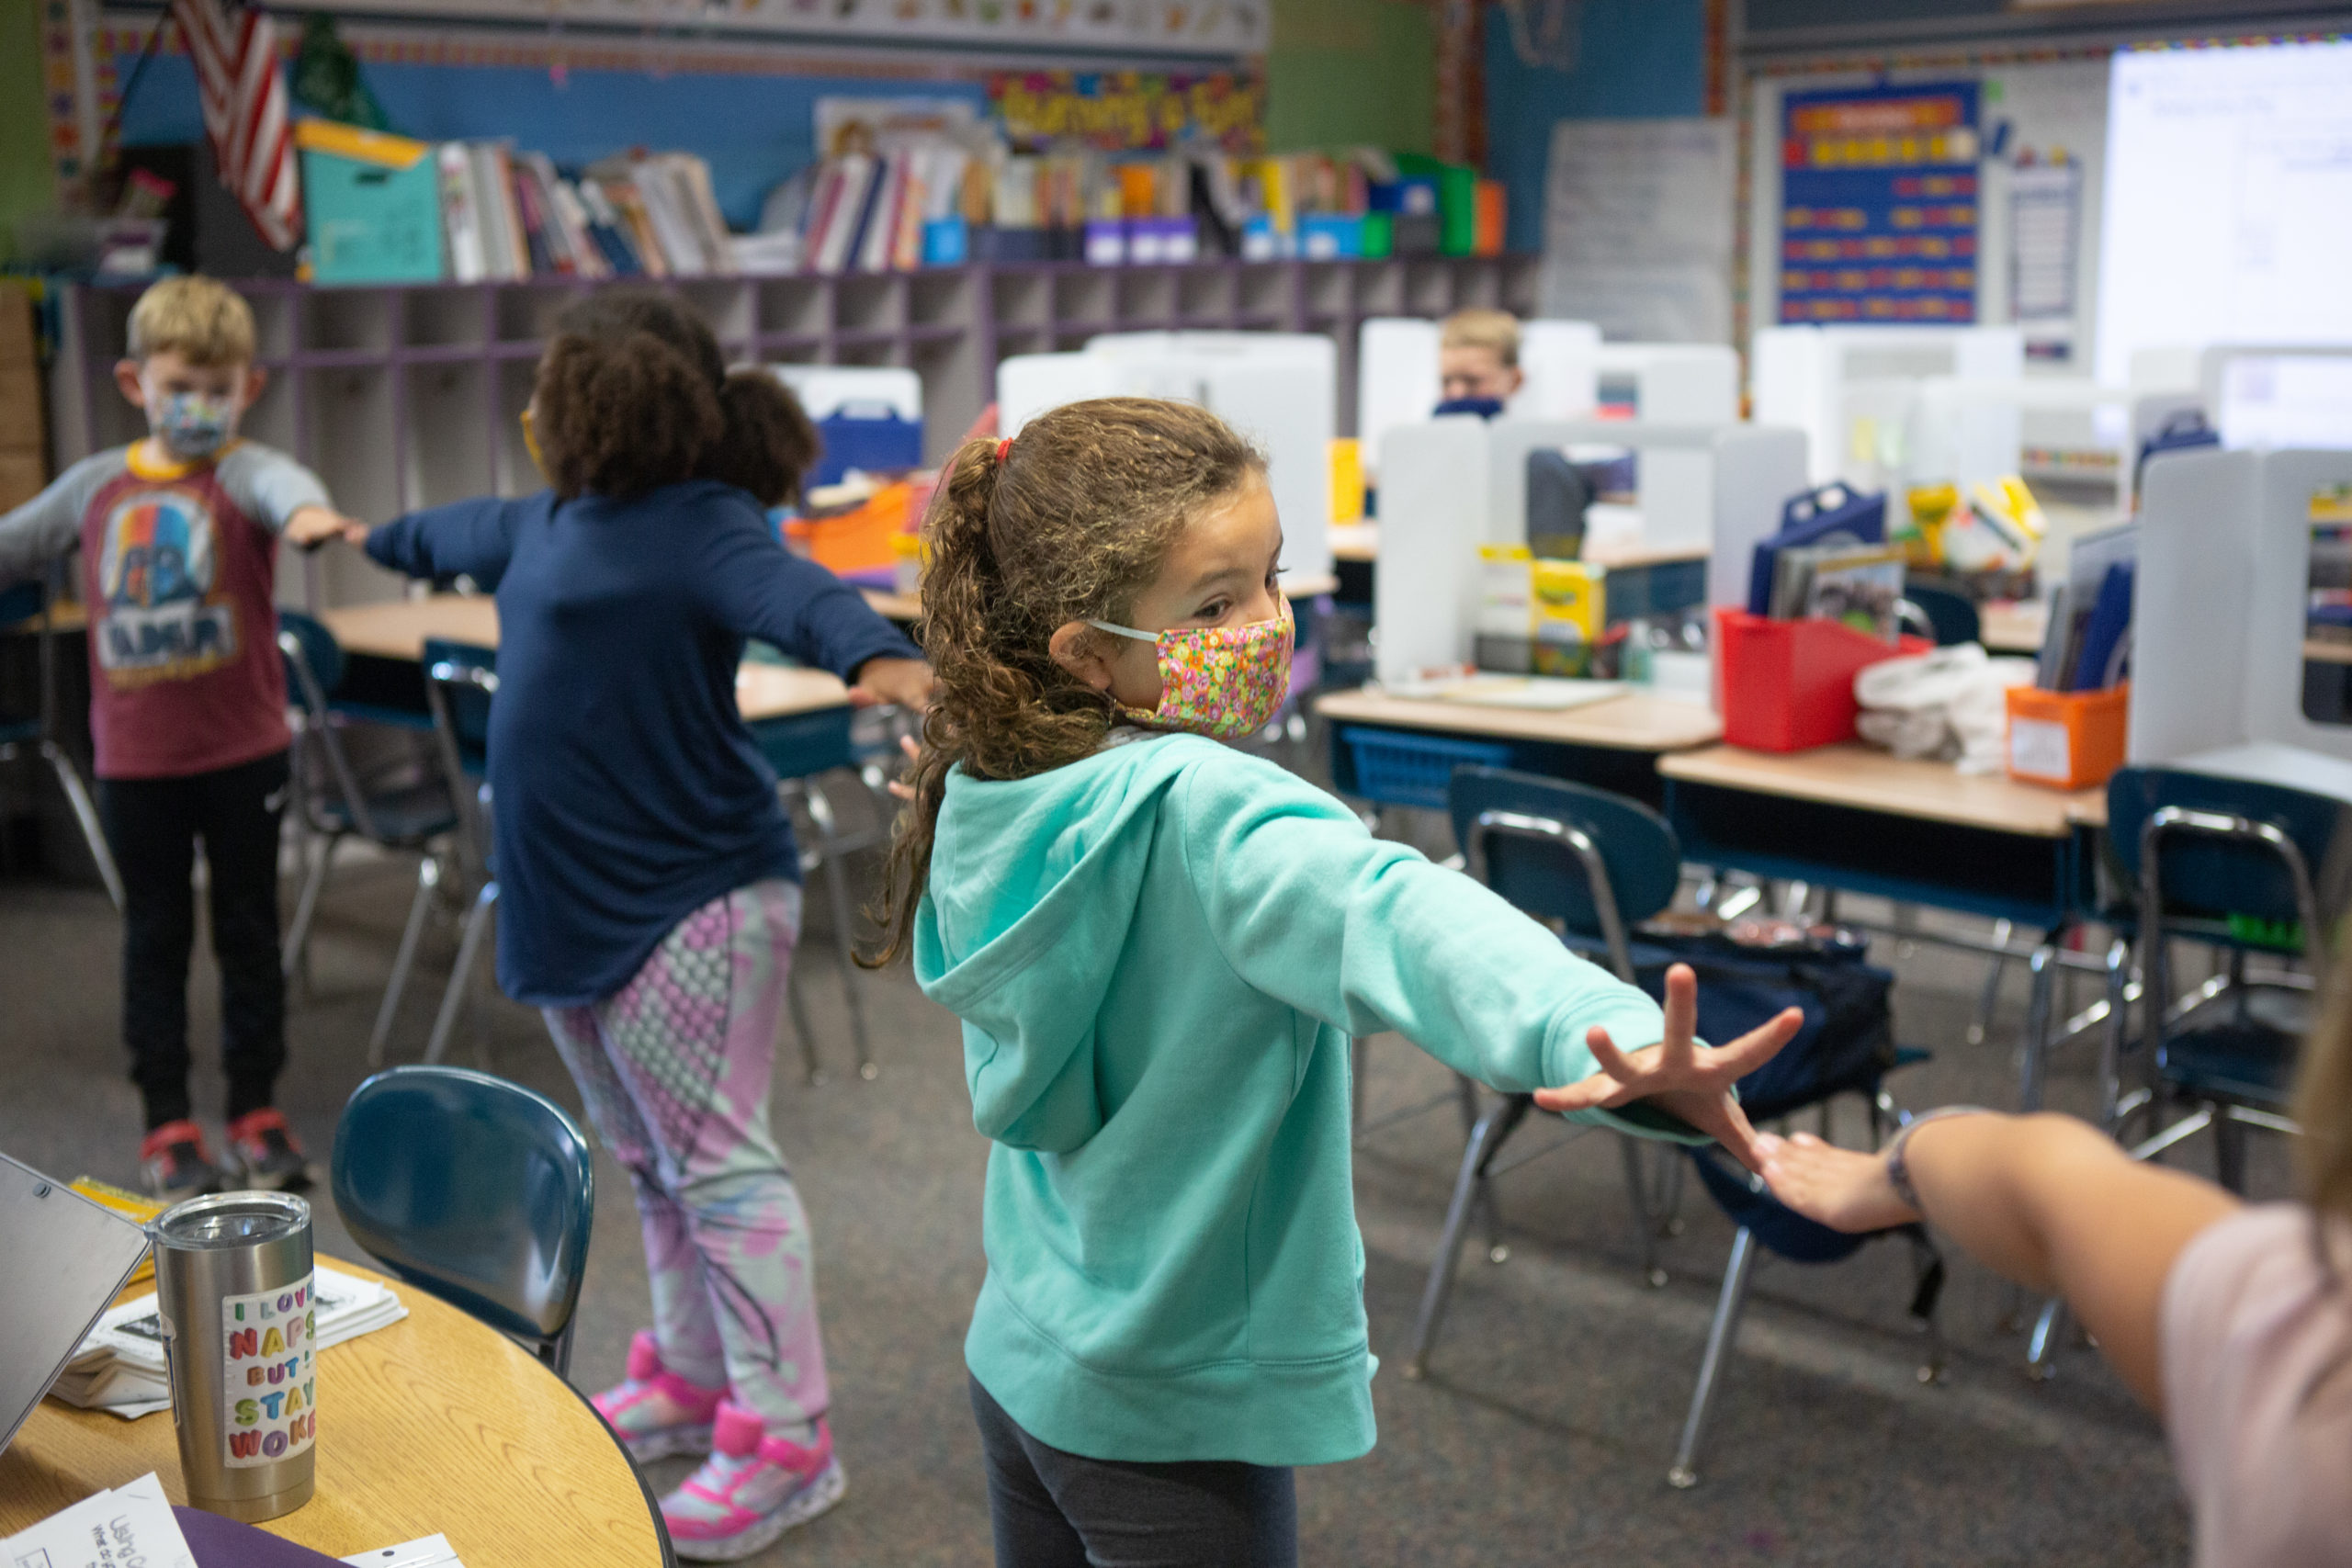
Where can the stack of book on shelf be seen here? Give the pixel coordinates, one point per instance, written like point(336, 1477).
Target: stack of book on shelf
point(894, 209)
point(510, 215)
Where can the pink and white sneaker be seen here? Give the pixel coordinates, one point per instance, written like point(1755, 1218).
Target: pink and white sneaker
point(751, 1489)
point(656, 1412)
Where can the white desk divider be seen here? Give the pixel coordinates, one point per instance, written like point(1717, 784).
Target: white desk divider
point(1825, 381)
point(1029, 384)
point(825, 390)
point(1672, 383)
point(1435, 510)
point(1278, 389)
point(1562, 364)
point(2219, 603)
point(1459, 482)
point(1397, 382)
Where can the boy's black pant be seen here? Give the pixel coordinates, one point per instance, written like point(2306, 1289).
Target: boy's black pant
point(152, 826)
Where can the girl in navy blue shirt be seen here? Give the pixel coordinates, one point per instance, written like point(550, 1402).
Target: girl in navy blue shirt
point(649, 887)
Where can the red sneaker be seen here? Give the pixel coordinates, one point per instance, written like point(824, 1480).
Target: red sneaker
point(265, 1146)
point(177, 1165)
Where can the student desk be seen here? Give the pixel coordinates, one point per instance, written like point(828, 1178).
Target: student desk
point(1613, 744)
point(1850, 816)
point(436, 1425)
point(375, 635)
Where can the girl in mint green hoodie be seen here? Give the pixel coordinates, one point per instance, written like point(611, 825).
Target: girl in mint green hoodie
point(1160, 948)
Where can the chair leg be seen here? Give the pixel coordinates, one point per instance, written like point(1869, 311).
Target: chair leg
point(1982, 1025)
point(2041, 1345)
point(2112, 1036)
point(1645, 1219)
point(477, 923)
point(2228, 1150)
point(1728, 1305)
point(557, 1352)
point(298, 933)
point(428, 879)
point(821, 812)
point(77, 796)
point(814, 1068)
point(1488, 1208)
point(2044, 966)
point(1487, 1139)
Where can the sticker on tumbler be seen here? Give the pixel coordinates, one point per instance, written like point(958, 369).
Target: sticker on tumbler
point(266, 1353)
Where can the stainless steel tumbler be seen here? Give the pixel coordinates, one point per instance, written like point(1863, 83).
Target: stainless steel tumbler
point(232, 1280)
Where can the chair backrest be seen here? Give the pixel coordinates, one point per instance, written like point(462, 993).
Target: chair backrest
point(473, 1188)
point(1950, 618)
point(460, 679)
point(305, 640)
point(2233, 857)
point(1595, 862)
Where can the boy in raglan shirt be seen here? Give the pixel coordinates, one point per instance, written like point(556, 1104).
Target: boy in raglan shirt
point(179, 535)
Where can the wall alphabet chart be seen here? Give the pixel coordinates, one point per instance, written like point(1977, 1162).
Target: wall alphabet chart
point(1878, 205)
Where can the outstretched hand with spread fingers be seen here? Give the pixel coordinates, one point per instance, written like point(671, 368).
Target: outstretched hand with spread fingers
point(1680, 1076)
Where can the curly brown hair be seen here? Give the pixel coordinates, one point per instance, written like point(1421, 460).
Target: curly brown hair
point(634, 394)
point(1072, 525)
point(768, 441)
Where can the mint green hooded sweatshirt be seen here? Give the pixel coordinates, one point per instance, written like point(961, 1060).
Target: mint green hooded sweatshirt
point(1159, 953)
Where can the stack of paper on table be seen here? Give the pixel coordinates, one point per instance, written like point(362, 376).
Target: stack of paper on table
point(1541, 692)
point(129, 1524)
point(119, 1367)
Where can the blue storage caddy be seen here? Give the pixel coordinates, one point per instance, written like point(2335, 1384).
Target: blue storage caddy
point(874, 439)
point(1808, 519)
point(1397, 767)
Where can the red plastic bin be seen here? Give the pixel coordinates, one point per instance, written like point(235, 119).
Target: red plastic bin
point(1785, 685)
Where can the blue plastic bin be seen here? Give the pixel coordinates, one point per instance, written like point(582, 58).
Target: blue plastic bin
point(1396, 767)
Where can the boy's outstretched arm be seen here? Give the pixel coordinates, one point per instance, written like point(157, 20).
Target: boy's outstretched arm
point(45, 529)
point(2046, 1200)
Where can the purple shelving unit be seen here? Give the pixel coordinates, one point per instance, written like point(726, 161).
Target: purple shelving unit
point(411, 395)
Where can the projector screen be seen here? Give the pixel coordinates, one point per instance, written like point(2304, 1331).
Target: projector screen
point(2228, 211)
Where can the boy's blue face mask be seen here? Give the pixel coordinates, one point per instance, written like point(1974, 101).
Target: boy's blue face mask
point(193, 425)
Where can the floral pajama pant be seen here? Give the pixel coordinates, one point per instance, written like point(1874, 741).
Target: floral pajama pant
point(675, 1069)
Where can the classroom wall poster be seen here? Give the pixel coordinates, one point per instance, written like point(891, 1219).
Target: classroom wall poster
point(1878, 205)
point(1131, 111)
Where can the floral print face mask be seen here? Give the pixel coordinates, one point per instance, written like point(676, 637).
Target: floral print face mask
point(1225, 681)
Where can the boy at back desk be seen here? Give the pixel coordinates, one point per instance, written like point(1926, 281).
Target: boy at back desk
point(179, 535)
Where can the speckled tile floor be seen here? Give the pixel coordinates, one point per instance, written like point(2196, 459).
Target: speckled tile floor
point(1544, 1432)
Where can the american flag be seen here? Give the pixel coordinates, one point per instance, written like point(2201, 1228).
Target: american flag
point(245, 113)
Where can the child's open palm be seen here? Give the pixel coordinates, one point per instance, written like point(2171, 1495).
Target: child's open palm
point(1680, 1076)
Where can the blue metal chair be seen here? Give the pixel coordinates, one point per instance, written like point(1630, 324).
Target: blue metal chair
point(460, 679)
point(333, 800)
point(2229, 862)
point(1947, 617)
point(801, 748)
point(36, 734)
point(1592, 863)
point(475, 1188)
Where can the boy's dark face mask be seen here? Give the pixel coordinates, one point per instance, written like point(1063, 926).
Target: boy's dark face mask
point(1485, 408)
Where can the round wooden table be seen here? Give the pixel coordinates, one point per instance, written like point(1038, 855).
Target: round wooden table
point(435, 1426)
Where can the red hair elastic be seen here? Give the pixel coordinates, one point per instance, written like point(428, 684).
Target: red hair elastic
point(1003, 448)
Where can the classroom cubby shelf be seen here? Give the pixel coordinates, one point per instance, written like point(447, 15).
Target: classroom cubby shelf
point(409, 396)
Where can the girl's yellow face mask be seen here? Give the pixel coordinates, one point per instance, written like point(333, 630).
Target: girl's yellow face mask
point(531, 445)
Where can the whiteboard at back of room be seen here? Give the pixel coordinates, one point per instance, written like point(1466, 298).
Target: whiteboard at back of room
point(2228, 209)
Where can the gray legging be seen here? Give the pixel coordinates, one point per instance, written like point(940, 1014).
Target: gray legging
point(1053, 1509)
